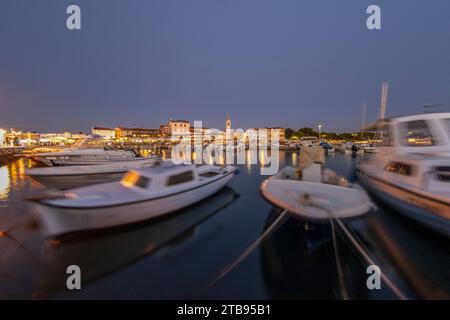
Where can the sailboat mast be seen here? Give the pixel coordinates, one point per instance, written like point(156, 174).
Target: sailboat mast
point(384, 94)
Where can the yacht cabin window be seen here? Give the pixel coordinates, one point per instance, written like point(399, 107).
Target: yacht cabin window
point(180, 178)
point(443, 173)
point(416, 134)
point(134, 179)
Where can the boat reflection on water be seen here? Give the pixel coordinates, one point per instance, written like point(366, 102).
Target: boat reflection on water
point(421, 257)
point(101, 254)
point(297, 261)
point(301, 260)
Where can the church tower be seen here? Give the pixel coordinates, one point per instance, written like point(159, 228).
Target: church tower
point(228, 123)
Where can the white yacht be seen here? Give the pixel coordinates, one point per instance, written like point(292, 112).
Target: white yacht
point(85, 156)
point(368, 148)
point(411, 168)
point(141, 194)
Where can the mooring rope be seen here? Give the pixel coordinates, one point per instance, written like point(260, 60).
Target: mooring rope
point(282, 218)
point(369, 260)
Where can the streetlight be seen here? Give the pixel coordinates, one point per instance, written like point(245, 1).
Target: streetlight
point(320, 129)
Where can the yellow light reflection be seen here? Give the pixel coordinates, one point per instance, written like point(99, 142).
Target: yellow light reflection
point(294, 159)
point(262, 158)
point(4, 183)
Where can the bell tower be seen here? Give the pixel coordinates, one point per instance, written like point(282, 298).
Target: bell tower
point(228, 123)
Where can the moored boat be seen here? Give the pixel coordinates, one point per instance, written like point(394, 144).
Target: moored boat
point(411, 169)
point(315, 194)
point(67, 177)
point(85, 156)
point(141, 194)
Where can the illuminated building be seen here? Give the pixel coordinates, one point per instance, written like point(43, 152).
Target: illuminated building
point(179, 127)
point(2, 134)
point(106, 133)
point(122, 132)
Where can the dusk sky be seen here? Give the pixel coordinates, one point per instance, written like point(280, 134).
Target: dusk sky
point(289, 63)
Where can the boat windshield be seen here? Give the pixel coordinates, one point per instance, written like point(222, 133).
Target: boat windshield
point(416, 134)
point(134, 179)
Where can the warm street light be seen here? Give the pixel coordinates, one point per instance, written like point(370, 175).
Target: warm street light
point(320, 129)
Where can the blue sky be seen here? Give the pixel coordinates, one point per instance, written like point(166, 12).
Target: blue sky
point(290, 63)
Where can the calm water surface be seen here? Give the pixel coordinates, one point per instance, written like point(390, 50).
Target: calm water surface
point(183, 255)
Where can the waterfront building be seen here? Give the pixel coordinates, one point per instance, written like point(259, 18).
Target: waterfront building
point(2, 136)
point(267, 133)
point(123, 132)
point(277, 133)
point(164, 129)
point(179, 127)
point(54, 138)
point(104, 132)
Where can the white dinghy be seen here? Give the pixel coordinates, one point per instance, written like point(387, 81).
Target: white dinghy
point(68, 177)
point(142, 194)
point(316, 201)
point(312, 193)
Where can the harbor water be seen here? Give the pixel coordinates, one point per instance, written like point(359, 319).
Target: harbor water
point(190, 254)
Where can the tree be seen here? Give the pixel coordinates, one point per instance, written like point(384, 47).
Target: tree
point(288, 133)
point(303, 132)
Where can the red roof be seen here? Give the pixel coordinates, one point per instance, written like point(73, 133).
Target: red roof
point(138, 129)
point(184, 121)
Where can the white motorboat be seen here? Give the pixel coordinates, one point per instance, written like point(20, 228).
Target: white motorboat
point(368, 148)
point(67, 177)
point(141, 194)
point(83, 153)
point(122, 247)
point(85, 156)
point(411, 169)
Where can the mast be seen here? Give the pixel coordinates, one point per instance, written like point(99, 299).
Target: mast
point(363, 120)
point(384, 94)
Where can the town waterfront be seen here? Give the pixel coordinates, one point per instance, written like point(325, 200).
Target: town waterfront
point(182, 256)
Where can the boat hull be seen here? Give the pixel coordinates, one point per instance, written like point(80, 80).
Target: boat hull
point(55, 221)
point(432, 213)
point(82, 162)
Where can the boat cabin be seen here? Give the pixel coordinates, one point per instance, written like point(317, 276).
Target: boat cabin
point(169, 175)
point(424, 133)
